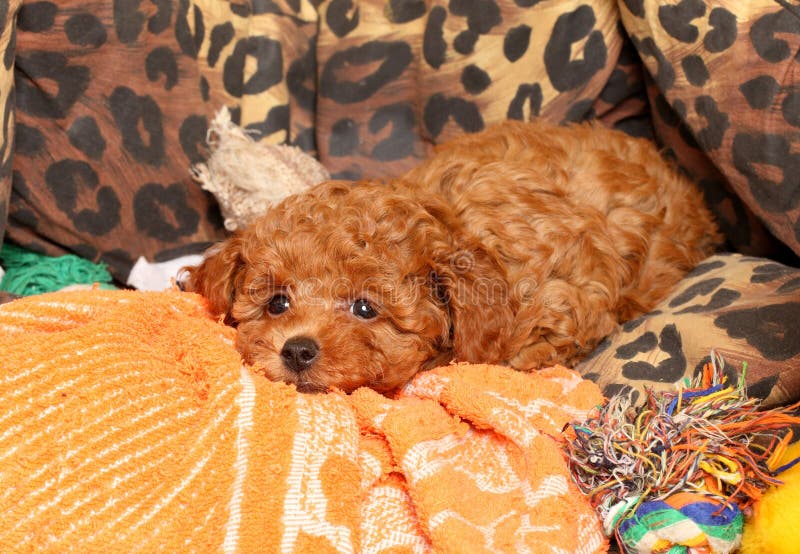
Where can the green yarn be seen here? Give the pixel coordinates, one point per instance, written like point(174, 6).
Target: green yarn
point(29, 273)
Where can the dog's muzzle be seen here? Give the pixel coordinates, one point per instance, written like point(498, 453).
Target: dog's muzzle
point(299, 353)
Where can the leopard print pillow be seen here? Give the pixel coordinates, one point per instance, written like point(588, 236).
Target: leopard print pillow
point(113, 104)
point(726, 90)
point(397, 77)
point(7, 29)
point(745, 309)
point(111, 112)
point(260, 58)
point(113, 101)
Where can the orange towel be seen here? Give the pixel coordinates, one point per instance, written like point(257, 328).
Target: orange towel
point(129, 424)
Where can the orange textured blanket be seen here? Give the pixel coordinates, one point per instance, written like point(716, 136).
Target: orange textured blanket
point(129, 424)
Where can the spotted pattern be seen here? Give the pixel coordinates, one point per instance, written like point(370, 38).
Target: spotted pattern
point(723, 87)
point(8, 11)
point(112, 107)
point(101, 96)
point(397, 78)
point(746, 309)
point(113, 102)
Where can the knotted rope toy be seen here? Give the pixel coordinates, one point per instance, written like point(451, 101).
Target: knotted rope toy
point(247, 176)
point(677, 473)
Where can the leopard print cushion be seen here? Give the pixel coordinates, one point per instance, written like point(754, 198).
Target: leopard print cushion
point(260, 58)
point(746, 309)
point(396, 77)
point(7, 297)
point(114, 99)
point(113, 105)
point(726, 90)
point(7, 29)
point(111, 112)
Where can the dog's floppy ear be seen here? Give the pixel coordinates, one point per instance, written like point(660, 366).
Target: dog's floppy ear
point(479, 303)
point(216, 277)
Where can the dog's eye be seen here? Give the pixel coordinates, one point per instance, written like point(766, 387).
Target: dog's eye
point(363, 309)
point(278, 304)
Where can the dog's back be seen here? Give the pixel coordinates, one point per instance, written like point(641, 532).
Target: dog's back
point(592, 226)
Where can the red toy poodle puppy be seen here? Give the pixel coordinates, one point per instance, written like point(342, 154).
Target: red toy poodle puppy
point(522, 245)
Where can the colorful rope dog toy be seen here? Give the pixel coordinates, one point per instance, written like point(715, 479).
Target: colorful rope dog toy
point(677, 473)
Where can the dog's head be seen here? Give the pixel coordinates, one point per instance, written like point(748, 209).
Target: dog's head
point(353, 285)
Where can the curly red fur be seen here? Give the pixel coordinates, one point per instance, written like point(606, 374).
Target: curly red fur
point(524, 244)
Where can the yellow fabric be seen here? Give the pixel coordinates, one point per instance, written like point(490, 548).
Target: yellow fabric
point(129, 424)
point(774, 526)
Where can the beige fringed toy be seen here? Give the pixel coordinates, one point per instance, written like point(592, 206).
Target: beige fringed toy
point(246, 176)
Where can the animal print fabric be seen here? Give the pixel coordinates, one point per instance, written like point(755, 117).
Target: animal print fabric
point(7, 297)
point(396, 77)
point(725, 78)
point(8, 11)
point(111, 111)
point(113, 104)
point(371, 85)
point(746, 309)
point(260, 57)
point(114, 98)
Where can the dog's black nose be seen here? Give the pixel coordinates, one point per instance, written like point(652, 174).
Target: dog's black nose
point(299, 353)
